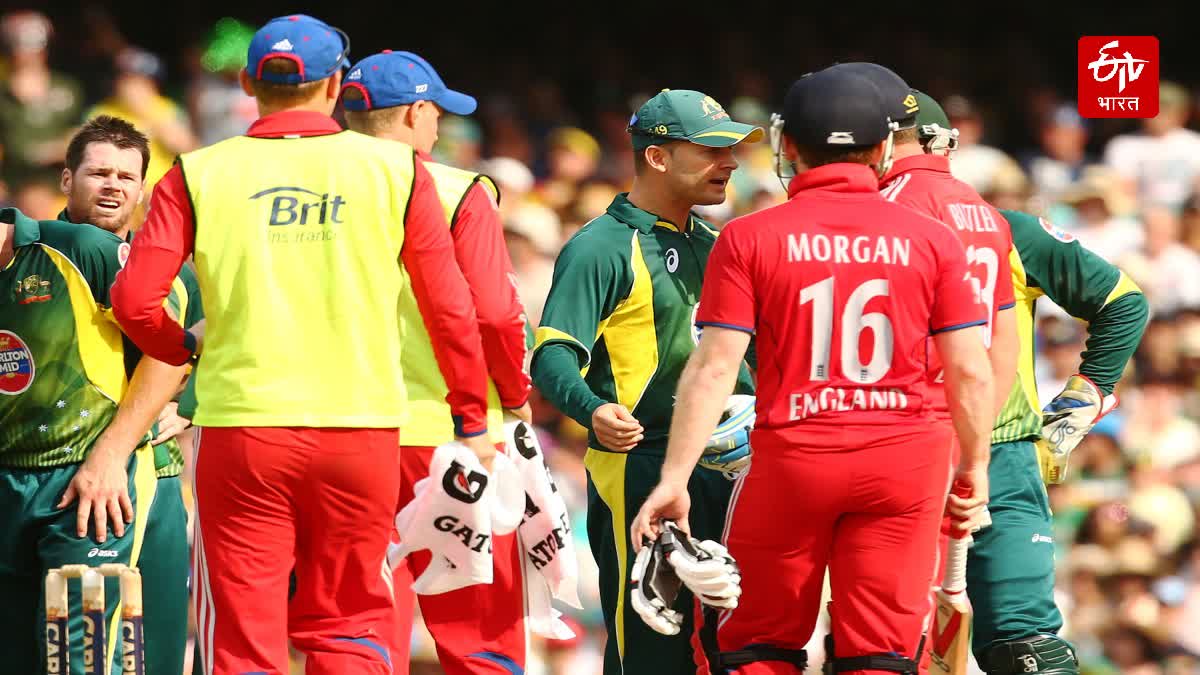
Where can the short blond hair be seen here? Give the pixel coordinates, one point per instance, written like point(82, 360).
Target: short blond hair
point(283, 95)
point(370, 122)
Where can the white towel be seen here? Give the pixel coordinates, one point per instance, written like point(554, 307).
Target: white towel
point(454, 513)
point(547, 547)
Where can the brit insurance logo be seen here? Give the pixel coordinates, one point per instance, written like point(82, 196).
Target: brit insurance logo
point(313, 213)
point(16, 364)
point(1118, 76)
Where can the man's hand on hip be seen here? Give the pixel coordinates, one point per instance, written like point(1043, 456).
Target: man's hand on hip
point(102, 486)
point(616, 428)
point(170, 424)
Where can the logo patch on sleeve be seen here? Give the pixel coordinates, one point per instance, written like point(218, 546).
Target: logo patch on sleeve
point(1056, 232)
point(16, 364)
point(123, 253)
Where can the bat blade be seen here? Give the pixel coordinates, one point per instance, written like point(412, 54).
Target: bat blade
point(951, 630)
point(950, 634)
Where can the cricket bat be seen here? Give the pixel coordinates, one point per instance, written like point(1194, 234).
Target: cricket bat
point(951, 629)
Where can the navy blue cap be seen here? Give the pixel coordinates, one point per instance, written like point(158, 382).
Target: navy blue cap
point(317, 48)
point(902, 106)
point(389, 79)
point(835, 108)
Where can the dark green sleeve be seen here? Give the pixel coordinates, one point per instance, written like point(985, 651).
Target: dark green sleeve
point(556, 376)
point(591, 276)
point(1089, 288)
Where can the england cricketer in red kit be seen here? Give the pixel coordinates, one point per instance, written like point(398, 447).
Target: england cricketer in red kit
point(481, 628)
point(920, 179)
point(299, 231)
point(841, 290)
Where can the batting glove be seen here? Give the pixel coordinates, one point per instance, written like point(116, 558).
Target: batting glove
point(1067, 419)
point(705, 567)
point(653, 587)
point(728, 449)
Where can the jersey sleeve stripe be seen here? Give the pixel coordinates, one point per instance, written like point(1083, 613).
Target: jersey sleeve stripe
point(1124, 286)
point(1007, 305)
point(546, 334)
point(730, 326)
point(958, 326)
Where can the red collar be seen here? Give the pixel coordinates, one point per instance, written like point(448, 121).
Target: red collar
point(840, 177)
point(937, 163)
point(293, 123)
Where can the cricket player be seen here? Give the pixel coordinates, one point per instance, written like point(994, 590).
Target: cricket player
point(1010, 568)
point(76, 404)
point(480, 628)
point(164, 563)
point(841, 290)
point(300, 231)
point(615, 334)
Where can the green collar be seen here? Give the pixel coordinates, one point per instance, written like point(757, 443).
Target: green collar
point(27, 230)
point(623, 210)
point(66, 218)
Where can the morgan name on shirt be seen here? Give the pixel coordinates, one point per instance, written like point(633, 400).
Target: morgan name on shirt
point(840, 248)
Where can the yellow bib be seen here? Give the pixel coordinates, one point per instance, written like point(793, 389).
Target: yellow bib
point(297, 252)
point(430, 422)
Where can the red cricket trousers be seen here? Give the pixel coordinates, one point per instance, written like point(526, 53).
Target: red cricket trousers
point(319, 501)
point(479, 629)
point(870, 514)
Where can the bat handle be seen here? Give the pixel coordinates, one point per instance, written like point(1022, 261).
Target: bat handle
point(956, 566)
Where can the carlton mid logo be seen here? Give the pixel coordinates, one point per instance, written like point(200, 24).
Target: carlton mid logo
point(1118, 76)
point(297, 206)
point(16, 364)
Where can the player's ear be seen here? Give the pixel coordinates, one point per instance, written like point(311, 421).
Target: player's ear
point(333, 86)
point(789, 150)
point(64, 182)
point(244, 80)
point(657, 158)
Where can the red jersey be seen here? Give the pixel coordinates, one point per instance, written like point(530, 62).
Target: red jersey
point(924, 184)
point(841, 289)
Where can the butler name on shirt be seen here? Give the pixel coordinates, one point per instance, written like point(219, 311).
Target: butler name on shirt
point(838, 248)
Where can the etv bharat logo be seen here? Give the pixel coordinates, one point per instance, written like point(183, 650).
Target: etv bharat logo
point(1118, 76)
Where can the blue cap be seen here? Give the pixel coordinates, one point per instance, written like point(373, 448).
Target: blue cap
point(317, 48)
point(901, 104)
point(835, 108)
point(389, 79)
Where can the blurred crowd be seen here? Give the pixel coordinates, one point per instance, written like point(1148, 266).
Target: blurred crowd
point(1129, 554)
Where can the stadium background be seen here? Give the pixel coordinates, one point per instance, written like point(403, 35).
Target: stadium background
point(556, 86)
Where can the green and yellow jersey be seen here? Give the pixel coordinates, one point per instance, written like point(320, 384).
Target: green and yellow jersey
point(620, 313)
point(184, 302)
point(62, 357)
point(64, 364)
point(1048, 262)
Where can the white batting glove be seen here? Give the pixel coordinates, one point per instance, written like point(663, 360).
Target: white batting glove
point(653, 587)
point(1067, 419)
point(705, 567)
